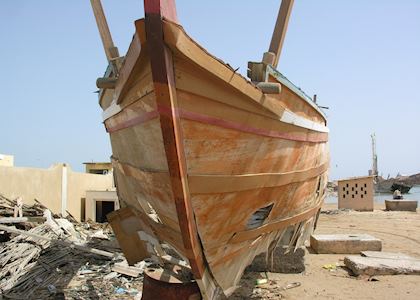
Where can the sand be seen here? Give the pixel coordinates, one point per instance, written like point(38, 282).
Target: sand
point(399, 232)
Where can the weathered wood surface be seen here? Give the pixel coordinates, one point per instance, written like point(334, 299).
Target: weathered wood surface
point(63, 243)
point(204, 149)
point(280, 29)
point(10, 220)
point(126, 225)
point(110, 50)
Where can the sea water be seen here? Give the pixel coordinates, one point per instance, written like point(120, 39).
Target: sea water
point(414, 194)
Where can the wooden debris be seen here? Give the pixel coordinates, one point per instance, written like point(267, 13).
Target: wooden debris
point(124, 268)
point(18, 209)
point(54, 259)
point(7, 208)
point(10, 220)
point(63, 243)
point(388, 264)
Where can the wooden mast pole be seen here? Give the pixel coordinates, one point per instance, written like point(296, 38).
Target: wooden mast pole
point(110, 50)
point(272, 56)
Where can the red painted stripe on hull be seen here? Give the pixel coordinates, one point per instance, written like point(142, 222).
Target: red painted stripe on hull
point(245, 128)
point(193, 116)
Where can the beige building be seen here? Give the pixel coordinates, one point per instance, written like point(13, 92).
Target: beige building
point(99, 204)
point(102, 168)
point(59, 188)
point(6, 160)
point(356, 193)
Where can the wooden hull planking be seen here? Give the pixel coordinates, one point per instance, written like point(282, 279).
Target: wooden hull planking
point(204, 149)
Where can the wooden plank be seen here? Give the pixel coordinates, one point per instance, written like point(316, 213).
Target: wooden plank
point(110, 50)
point(60, 242)
point(141, 146)
point(178, 40)
point(228, 152)
point(221, 216)
point(163, 77)
point(126, 270)
point(140, 189)
point(135, 119)
point(297, 104)
point(280, 29)
point(126, 71)
point(322, 137)
point(127, 68)
point(132, 121)
point(205, 184)
point(195, 103)
point(10, 220)
point(193, 79)
point(253, 233)
point(276, 76)
point(125, 225)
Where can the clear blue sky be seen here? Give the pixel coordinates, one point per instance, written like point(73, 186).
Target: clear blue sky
point(362, 59)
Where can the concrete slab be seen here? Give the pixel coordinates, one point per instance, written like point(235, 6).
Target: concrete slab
point(344, 243)
point(390, 255)
point(382, 266)
point(401, 205)
point(289, 263)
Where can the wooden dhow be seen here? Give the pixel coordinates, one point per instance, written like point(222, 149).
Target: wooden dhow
point(208, 164)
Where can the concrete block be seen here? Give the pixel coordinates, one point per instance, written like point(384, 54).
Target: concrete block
point(401, 205)
point(390, 255)
point(382, 266)
point(292, 262)
point(344, 243)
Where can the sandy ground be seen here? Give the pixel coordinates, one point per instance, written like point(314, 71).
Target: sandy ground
point(399, 232)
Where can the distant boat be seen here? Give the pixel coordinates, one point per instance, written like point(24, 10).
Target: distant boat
point(402, 187)
point(212, 164)
point(390, 185)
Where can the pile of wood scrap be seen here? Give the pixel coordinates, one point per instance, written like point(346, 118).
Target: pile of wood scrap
point(7, 208)
point(58, 258)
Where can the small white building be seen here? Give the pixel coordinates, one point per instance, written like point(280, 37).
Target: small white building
point(6, 160)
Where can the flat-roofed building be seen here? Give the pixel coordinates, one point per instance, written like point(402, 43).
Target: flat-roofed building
point(6, 160)
point(98, 167)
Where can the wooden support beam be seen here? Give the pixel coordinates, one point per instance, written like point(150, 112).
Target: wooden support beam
point(166, 9)
point(110, 50)
point(269, 87)
point(164, 85)
point(106, 83)
point(279, 33)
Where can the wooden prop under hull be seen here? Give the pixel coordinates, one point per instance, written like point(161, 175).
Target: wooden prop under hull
point(205, 162)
